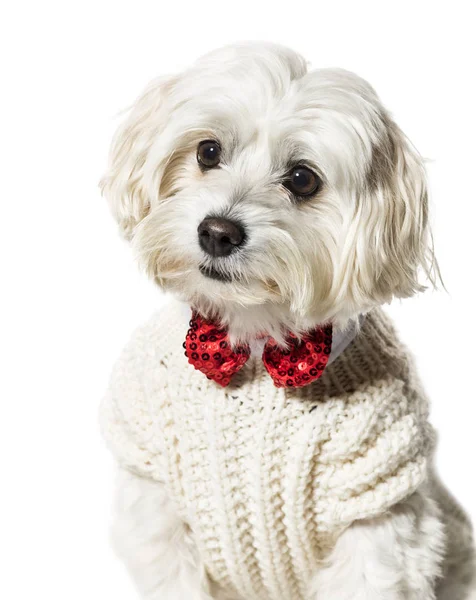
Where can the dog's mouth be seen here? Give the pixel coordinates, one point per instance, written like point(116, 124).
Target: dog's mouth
point(213, 273)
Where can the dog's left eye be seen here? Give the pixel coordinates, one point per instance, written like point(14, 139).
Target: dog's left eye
point(208, 153)
point(301, 181)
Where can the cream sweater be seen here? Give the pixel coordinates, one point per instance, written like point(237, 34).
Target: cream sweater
point(266, 477)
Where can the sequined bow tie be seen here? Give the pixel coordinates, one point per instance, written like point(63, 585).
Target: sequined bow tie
point(208, 349)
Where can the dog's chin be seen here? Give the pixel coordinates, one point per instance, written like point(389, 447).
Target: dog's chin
point(212, 273)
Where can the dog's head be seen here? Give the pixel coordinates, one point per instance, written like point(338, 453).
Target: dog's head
point(252, 186)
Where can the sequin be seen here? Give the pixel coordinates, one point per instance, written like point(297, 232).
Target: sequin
point(220, 365)
point(301, 363)
point(311, 356)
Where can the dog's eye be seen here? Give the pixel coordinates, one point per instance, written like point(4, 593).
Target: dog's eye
point(208, 153)
point(302, 182)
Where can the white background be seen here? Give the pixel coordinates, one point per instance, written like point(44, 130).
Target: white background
point(72, 295)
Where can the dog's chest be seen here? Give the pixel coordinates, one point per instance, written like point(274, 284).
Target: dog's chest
point(247, 464)
point(266, 477)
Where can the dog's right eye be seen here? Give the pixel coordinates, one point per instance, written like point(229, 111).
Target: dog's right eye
point(208, 154)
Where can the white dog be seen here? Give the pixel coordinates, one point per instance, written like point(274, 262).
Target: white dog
point(284, 206)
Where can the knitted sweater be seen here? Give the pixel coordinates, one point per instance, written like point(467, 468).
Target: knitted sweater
point(267, 477)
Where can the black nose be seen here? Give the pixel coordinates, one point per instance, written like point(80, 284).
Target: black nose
point(219, 237)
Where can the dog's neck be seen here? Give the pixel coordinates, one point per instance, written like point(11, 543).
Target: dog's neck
point(245, 324)
point(254, 326)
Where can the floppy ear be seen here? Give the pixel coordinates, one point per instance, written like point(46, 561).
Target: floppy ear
point(124, 184)
point(389, 234)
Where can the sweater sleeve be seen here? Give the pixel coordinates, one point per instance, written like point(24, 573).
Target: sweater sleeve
point(131, 406)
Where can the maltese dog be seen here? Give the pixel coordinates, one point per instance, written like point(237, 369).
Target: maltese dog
point(270, 428)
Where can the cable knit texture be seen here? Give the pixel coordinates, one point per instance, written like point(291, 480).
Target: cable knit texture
point(267, 477)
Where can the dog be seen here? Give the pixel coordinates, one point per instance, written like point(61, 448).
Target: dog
point(284, 206)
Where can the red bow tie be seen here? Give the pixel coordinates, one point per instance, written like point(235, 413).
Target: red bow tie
point(208, 349)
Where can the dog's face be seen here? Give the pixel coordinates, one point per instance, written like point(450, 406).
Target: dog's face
point(252, 187)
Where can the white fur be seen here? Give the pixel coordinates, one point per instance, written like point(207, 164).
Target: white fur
point(395, 557)
point(157, 547)
point(358, 243)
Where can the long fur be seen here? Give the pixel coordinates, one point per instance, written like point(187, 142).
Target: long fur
point(395, 557)
point(362, 240)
